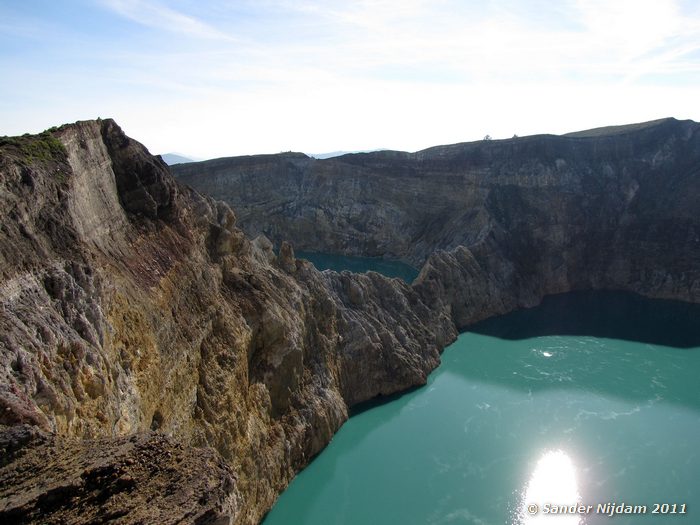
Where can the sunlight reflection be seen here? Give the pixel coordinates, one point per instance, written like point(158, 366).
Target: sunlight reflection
point(552, 484)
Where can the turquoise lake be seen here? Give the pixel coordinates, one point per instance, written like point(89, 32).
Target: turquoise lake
point(324, 261)
point(590, 398)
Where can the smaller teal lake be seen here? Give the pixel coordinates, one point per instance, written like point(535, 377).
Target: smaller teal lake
point(338, 263)
point(591, 398)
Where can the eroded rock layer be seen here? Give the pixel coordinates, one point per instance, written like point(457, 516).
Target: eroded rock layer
point(513, 219)
point(137, 322)
point(139, 325)
point(144, 478)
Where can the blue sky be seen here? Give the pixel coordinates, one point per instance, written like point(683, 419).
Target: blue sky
point(222, 78)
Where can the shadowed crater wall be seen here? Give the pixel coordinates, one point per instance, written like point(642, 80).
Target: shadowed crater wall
point(496, 224)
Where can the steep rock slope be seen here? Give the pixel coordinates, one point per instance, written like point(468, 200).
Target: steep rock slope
point(133, 306)
point(510, 220)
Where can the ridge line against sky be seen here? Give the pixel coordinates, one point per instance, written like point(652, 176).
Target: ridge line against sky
point(221, 78)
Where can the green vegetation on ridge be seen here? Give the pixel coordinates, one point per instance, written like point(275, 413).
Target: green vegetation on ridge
point(37, 148)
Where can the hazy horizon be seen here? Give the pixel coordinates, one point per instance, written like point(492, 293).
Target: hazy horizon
point(338, 153)
point(214, 79)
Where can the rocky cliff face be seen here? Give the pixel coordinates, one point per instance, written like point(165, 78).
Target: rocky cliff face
point(499, 224)
point(174, 370)
point(137, 322)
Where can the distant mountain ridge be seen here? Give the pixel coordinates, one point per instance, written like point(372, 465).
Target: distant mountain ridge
point(175, 158)
point(340, 153)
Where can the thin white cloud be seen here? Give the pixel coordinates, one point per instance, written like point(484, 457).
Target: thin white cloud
point(419, 42)
point(23, 28)
point(319, 76)
point(633, 27)
point(428, 73)
point(590, 37)
point(153, 14)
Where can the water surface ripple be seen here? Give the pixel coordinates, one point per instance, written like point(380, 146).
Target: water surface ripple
point(590, 398)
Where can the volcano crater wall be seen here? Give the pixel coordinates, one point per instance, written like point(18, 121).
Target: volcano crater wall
point(142, 333)
point(146, 328)
point(611, 208)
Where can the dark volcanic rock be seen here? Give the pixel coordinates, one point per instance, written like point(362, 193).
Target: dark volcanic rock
point(145, 478)
point(143, 182)
point(131, 304)
point(173, 370)
point(612, 208)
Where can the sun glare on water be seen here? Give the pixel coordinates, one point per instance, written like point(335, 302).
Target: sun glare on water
point(552, 483)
